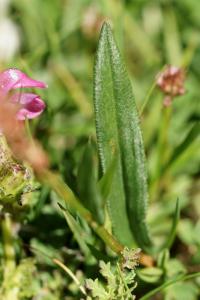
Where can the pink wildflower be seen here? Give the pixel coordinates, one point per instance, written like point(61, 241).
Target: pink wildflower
point(30, 105)
point(171, 82)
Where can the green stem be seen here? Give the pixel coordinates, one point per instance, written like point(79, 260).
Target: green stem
point(147, 97)
point(124, 282)
point(58, 185)
point(71, 274)
point(9, 251)
point(168, 283)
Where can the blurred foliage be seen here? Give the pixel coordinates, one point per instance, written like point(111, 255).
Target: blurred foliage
point(58, 43)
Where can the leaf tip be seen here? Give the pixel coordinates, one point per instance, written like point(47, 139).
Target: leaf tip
point(106, 28)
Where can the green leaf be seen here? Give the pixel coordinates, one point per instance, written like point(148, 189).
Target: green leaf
point(89, 192)
point(118, 283)
point(186, 232)
point(105, 183)
point(105, 270)
point(78, 232)
point(97, 290)
point(118, 131)
point(151, 275)
point(174, 267)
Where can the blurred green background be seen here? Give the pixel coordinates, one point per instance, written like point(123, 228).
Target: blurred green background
point(55, 41)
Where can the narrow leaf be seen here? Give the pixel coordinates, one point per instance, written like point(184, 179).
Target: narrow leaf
point(172, 233)
point(105, 183)
point(118, 131)
point(77, 230)
point(88, 189)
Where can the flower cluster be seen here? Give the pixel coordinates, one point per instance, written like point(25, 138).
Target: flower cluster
point(30, 105)
point(171, 82)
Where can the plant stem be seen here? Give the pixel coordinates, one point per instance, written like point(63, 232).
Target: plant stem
point(168, 283)
point(124, 282)
point(149, 93)
point(9, 251)
point(70, 273)
point(58, 185)
point(147, 97)
point(174, 54)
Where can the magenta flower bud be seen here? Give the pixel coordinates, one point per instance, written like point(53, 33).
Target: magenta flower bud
point(30, 105)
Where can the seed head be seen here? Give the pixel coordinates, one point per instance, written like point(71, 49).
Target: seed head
point(171, 82)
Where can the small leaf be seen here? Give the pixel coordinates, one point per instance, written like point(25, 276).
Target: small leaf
point(105, 182)
point(97, 289)
point(163, 258)
point(150, 275)
point(118, 283)
point(105, 270)
point(118, 131)
point(78, 232)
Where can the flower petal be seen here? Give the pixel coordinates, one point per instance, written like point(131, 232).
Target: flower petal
point(14, 78)
point(32, 105)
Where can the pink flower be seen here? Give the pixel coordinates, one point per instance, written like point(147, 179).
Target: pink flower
point(30, 105)
point(171, 82)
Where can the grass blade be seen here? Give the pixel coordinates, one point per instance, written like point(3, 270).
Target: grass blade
point(172, 233)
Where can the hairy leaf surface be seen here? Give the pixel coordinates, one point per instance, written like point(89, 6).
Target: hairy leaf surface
point(118, 132)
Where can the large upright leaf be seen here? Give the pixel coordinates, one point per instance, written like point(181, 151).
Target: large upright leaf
point(118, 132)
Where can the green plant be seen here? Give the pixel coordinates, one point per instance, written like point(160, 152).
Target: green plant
point(95, 193)
point(119, 284)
